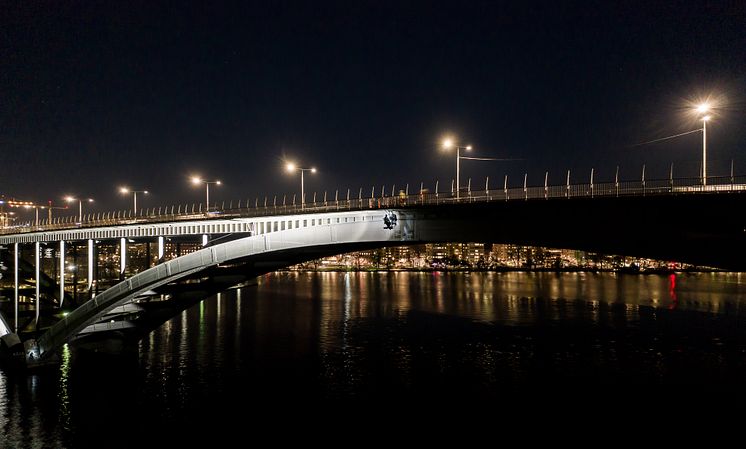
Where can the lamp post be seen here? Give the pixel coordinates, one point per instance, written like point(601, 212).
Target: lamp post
point(198, 180)
point(36, 212)
point(448, 144)
point(291, 168)
point(704, 108)
point(70, 199)
point(126, 190)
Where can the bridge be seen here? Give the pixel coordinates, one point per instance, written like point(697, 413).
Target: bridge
point(144, 266)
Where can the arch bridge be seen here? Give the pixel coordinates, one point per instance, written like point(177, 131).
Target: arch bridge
point(133, 266)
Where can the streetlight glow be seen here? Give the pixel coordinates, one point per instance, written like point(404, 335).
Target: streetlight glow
point(126, 190)
point(197, 180)
point(702, 109)
point(70, 199)
point(449, 143)
point(291, 167)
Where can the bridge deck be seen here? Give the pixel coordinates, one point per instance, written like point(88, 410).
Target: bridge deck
point(174, 222)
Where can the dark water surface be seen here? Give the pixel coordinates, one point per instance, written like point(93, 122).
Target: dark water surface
point(300, 342)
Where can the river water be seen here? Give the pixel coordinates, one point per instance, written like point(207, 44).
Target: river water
point(297, 342)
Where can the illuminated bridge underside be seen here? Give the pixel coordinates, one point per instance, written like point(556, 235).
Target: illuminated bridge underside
point(366, 230)
point(698, 229)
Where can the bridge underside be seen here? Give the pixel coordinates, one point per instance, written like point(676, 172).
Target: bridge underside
point(705, 230)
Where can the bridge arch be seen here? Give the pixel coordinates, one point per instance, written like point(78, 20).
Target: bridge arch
point(369, 230)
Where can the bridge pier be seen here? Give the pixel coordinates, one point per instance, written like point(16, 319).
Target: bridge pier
point(15, 285)
point(91, 261)
point(37, 280)
point(62, 272)
point(122, 257)
point(161, 251)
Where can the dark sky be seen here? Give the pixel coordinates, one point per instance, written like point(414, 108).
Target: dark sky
point(95, 94)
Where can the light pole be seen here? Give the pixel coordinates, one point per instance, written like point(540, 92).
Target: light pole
point(198, 180)
point(36, 212)
point(448, 144)
point(70, 199)
point(703, 108)
point(126, 190)
point(291, 168)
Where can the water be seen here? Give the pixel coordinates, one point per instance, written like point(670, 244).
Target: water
point(300, 341)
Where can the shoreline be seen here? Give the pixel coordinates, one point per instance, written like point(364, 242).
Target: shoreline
point(659, 271)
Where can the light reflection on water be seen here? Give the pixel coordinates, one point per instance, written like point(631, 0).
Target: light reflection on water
point(318, 337)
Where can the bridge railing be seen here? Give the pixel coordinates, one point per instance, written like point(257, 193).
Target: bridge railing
point(675, 186)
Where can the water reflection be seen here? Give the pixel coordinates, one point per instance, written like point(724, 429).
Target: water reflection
point(314, 337)
point(63, 395)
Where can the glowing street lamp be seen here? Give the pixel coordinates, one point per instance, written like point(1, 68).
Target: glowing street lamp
point(198, 180)
point(447, 145)
point(291, 168)
point(70, 199)
point(704, 108)
point(125, 190)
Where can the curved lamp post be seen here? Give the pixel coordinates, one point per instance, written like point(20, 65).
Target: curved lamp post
point(198, 180)
point(447, 145)
point(126, 190)
point(291, 168)
point(704, 108)
point(71, 199)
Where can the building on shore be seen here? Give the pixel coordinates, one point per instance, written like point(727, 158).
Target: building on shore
point(482, 256)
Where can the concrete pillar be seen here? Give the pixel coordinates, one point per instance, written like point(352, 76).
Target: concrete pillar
point(76, 264)
point(122, 256)
point(37, 267)
point(161, 250)
point(62, 272)
point(204, 239)
point(91, 264)
point(15, 284)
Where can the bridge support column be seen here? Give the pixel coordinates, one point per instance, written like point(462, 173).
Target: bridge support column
point(15, 284)
point(75, 274)
point(91, 261)
point(37, 267)
point(62, 272)
point(122, 257)
point(161, 250)
point(204, 239)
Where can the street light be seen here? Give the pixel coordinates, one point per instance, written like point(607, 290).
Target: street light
point(70, 199)
point(291, 168)
point(704, 108)
point(125, 190)
point(447, 145)
point(198, 180)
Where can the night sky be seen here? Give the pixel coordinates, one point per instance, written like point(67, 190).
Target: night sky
point(97, 94)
